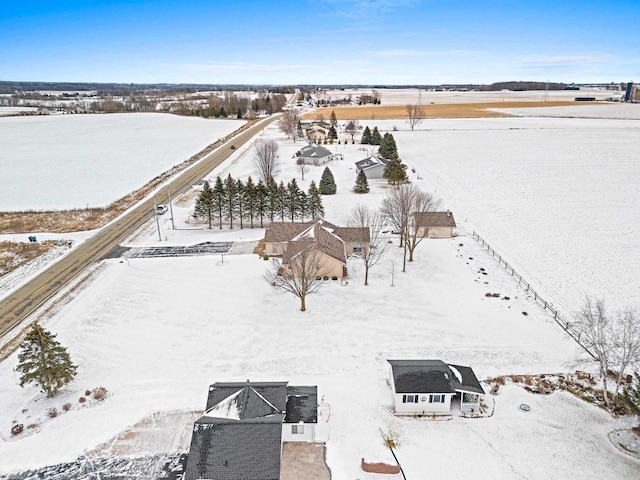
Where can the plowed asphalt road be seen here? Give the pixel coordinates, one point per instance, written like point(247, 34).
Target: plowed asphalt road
point(25, 300)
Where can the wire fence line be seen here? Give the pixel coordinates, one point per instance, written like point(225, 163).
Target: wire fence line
point(560, 319)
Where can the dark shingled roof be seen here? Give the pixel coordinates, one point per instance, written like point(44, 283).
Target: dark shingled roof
point(273, 392)
point(223, 449)
point(240, 435)
point(432, 376)
point(302, 405)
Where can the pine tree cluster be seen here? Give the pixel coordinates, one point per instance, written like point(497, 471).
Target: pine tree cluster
point(250, 204)
point(371, 137)
point(388, 148)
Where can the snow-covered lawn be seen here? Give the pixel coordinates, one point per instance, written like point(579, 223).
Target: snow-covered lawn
point(75, 161)
point(157, 332)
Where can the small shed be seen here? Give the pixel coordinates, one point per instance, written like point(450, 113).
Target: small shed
point(435, 224)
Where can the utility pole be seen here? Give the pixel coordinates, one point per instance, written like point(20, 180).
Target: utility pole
point(155, 213)
point(173, 226)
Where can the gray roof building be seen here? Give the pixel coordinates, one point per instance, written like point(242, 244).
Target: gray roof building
point(240, 435)
point(433, 376)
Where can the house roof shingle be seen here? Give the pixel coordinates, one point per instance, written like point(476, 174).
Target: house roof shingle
point(314, 151)
point(434, 219)
point(372, 161)
point(223, 449)
point(302, 404)
point(432, 376)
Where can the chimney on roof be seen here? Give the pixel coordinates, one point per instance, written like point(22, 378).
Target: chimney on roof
point(448, 213)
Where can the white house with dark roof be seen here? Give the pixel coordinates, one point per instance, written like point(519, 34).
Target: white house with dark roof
point(241, 432)
point(314, 154)
point(426, 387)
point(373, 166)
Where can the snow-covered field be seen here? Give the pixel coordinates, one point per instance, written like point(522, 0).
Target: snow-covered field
point(403, 96)
point(157, 332)
point(558, 197)
point(75, 161)
point(621, 111)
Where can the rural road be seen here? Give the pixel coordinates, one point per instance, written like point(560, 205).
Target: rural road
point(21, 303)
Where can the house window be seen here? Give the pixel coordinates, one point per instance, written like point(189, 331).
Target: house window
point(297, 429)
point(436, 398)
point(357, 248)
point(409, 398)
point(274, 248)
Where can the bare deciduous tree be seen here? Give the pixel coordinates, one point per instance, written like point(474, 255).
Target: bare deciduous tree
point(303, 167)
point(416, 115)
point(302, 275)
point(627, 341)
point(266, 160)
point(614, 340)
point(399, 207)
point(365, 218)
point(289, 124)
point(352, 128)
point(596, 334)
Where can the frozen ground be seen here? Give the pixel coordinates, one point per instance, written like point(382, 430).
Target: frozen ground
point(557, 197)
point(403, 96)
point(156, 332)
point(622, 111)
point(75, 161)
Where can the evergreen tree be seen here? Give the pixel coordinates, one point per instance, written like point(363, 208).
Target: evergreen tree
point(262, 195)
point(281, 193)
point(219, 199)
point(388, 148)
point(376, 138)
point(362, 184)
point(300, 131)
point(273, 205)
point(231, 199)
point(333, 120)
point(293, 199)
point(631, 395)
point(333, 135)
point(366, 136)
point(314, 202)
point(327, 182)
point(250, 199)
point(395, 172)
point(44, 361)
point(240, 202)
point(303, 204)
point(205, 203)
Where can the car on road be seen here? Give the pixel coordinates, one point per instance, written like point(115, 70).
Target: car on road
point(161, 209)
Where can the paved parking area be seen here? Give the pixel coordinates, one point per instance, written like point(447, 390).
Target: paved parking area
point(304, 461)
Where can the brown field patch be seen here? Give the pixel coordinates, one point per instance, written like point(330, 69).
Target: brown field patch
point(15, 254)
point(444, 110)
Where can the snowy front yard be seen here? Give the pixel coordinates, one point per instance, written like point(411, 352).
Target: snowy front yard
point(156, 332)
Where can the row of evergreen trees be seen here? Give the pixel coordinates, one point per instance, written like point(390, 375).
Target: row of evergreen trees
point(388, 148)
point(247, 202)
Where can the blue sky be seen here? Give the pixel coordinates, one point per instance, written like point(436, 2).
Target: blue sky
point(391, 42)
